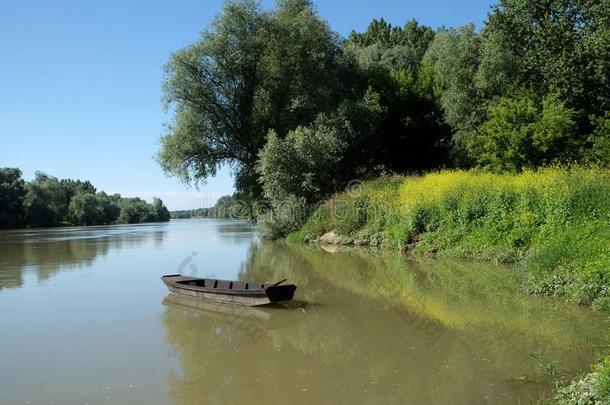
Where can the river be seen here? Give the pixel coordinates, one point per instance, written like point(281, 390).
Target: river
point(85, 318)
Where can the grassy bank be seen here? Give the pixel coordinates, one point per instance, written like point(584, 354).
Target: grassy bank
point(554, 222)
point(592, 388)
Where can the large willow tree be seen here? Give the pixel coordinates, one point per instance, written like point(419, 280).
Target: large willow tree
point(251, 71)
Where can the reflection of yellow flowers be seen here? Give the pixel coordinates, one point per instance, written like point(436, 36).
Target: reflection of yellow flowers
point(465, 298)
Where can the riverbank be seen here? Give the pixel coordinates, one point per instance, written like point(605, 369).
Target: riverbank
point(592, 388)
point(554, 224)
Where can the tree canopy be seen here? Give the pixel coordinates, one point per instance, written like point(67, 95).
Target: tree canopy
point(249, 72)
point(554, 49)
point(48, 201)
point(12, 193)
point(298, 112)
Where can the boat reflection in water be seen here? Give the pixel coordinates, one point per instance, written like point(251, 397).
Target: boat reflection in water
point(252, 322)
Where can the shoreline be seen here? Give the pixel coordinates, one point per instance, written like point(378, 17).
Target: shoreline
point(530, 220)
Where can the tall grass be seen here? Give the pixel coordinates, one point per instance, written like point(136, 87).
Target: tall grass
point(555, 222)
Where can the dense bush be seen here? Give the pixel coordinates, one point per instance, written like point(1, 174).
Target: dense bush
point(554, 221)
point(524, 133)
point(558, 47)
point(600, 140)
point(312, 163)
point(136, 210)
point(88, 209)
point(591, 389)
point(285, 216)
point(12, 193)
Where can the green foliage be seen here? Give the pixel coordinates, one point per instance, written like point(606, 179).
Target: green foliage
point(521, 133)
point(226, 207)
point(298, 113)
point(49, 201)
point(312, 163)
point(184, 214)
point(395, 125)
point(600, 140)
point(413, 37)
point(410, 133)
point(496, 72)
point(136, 210)
point(284, 217)
point(160, 211)
point(363, 214)
point(554, 222)
point(301, 166)
point(562, 47)
point(85, 209)
point(571, 262)
point(12, 193)
point(101, 209)
point(255, 72)
point(231, 206)
point(590, 389)
point(250, 72)
point(455, 56)
point(353, 216)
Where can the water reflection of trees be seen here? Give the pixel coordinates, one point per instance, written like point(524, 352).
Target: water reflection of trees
point(320, 356)
point(48, 252)
point(375, 328)
point(484, 305)
point(232, 231)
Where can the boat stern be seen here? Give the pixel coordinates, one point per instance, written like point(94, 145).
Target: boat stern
point(281, 292)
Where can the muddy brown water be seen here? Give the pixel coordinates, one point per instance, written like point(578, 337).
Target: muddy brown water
point(84, 318)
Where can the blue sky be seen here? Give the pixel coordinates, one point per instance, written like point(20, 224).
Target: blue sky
point(80, 82)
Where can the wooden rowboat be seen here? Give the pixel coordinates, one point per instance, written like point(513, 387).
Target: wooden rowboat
point(229, 292)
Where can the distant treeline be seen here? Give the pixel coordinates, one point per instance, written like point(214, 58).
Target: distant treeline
point(228, 206)
point(48, 201)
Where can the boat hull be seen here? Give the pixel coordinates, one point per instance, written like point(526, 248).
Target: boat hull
point(221, 291)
